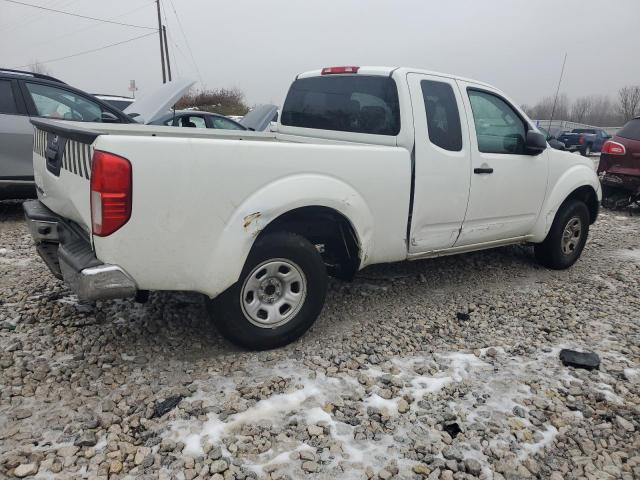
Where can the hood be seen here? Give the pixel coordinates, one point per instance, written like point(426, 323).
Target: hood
point(157, 103)
point(259, 118)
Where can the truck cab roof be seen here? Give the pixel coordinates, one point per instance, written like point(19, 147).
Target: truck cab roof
point(383, 71)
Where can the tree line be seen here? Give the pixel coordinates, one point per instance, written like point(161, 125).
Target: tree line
point(599, 110)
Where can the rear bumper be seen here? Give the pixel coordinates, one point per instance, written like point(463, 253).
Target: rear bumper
point(66, 250)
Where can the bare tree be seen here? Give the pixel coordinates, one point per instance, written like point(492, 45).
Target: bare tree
point(37, 67)
point(629, 101)
point(581, 109)
point(223, 101)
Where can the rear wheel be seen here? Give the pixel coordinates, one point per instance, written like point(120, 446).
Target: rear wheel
point(279, 295)
point(566, 238)
point(586, 151)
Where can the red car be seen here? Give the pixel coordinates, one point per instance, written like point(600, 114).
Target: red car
point(619, 167)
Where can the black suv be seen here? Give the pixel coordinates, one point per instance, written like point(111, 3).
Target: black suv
point(26, 95)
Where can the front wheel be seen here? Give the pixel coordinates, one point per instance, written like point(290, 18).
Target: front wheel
point(279, 295)
point(566, 238)
point(586, 151)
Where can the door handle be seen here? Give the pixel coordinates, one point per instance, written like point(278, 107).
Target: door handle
point(483, 170)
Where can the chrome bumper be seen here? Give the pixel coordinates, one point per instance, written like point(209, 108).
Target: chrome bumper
point(98, 283)
point(69, 256)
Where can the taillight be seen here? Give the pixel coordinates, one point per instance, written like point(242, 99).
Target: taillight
point(613, 148)
point(335, 70)
point(110, 192)
point(581, 140)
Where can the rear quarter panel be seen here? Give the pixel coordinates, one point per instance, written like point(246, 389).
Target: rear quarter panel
point(199, 204)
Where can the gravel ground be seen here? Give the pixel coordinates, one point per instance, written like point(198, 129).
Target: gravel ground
point(439, 369)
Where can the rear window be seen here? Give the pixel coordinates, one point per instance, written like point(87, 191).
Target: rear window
point(631, 130)
point(345, 103)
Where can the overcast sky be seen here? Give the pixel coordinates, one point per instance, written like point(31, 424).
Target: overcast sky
point(259, 46)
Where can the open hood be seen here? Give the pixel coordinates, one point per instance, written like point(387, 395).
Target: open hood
point(157, 103)
point(259, 118)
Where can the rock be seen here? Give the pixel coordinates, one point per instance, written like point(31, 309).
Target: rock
point(421, 469)
point(310, 467)
point(140, 455)
point(586, 360)
point(21, 413)
point(218, 466)
point(473, 466)
point(403, 406)
point(25, 470)
point(519, 411)
point(307, 455)
point(453, 429)
point(115, 466)
point(462, 316)
point(624, 423)
point(166, 405)
point(315, 430)
point(384, 474)
point(448, 475)
point(87, 439)
point(167, 445)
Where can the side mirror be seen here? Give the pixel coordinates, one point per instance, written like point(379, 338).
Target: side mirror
point(535, 143)
point(108, 117)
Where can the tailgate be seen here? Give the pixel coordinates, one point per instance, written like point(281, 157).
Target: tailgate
point(62, 168)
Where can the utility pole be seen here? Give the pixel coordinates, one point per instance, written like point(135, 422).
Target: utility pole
point(164, 75)
point(166, 50)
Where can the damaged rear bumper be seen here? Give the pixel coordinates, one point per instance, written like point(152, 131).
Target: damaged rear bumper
point(66, 250)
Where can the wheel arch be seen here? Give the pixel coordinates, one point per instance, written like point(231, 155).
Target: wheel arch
point(579, 182)
point(289, 203)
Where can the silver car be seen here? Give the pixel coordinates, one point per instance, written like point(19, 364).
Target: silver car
point(26, 95)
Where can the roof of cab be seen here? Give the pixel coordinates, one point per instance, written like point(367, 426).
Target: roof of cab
point(388, 71)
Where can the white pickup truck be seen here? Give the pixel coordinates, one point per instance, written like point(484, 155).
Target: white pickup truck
point(368, 165)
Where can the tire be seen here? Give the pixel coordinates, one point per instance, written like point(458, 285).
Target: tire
point(563, 245)
point(586, 151)
point(280, 293)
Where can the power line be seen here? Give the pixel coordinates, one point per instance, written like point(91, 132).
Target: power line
point(64, 35)
point(88, 51)
point(186, 42)
point(78, 15)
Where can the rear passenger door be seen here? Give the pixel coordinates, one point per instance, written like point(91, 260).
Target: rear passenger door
point(442, 163)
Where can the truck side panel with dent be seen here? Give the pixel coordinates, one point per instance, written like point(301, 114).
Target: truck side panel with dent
point(200, 203)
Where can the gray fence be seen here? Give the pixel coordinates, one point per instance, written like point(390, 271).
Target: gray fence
point(566, 125)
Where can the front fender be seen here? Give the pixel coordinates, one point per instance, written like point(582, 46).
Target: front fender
point(270, 202)
point(576, 176)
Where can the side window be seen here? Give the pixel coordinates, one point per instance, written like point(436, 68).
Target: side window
point(7, 100)
point(443, 119)
point(192, 121)
point(499, 128)
point(219, 122)
point(53, 102)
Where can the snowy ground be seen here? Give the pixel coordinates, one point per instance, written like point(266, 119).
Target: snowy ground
point(437, 369)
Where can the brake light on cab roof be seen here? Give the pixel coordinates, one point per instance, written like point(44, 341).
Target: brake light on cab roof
point(337, 70)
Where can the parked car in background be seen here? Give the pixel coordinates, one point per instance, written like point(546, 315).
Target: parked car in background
point(584, 140)
point(552, 140)
point(197, 119)
point(27, 95)
point(369, 165)
point(117, 101)
point(619, 166)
